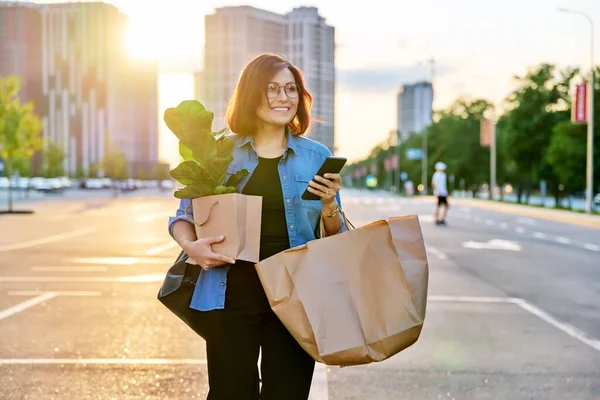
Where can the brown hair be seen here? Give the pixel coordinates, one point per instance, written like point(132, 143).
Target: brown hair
point(251, 90)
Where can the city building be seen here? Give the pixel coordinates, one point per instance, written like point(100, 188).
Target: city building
point(90, 93)
point(235, 35)
point(415, 108)
point(311, 46)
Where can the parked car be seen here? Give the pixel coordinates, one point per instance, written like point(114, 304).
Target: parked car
point(597, 200)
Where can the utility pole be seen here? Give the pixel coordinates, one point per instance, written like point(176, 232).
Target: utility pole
point(424, 174)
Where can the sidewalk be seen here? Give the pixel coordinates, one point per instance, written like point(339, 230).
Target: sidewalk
point(570, 217)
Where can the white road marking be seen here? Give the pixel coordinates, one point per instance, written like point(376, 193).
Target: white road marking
point(426, 218)
point(526, 221)
point(539, 235)
point(26, 304)
point(563, 240)
point(107, 260)
point(592, 247)
point(58, 293)
point(46, 240)
point(152, 217)
point(102, 361)
point(570, 330)
point(489, 222)
point(437, 253)
point(494, 244)
point(519, 229)
point(470, 299)
point(123, 260)
point(150, 278)
point(319, 389)
point(503, 225)
point(69, 269)
point(162, 248)
point(563, 326)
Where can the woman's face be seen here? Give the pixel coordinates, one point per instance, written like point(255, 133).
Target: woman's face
point(280, 104)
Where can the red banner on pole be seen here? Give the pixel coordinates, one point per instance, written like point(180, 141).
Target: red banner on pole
point(395, 161)
point(579, 108)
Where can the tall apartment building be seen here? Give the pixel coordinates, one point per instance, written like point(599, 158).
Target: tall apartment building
point(415, 108)
point(91, 94)
point(311, 46)
point(20, 43)
point(235, 35)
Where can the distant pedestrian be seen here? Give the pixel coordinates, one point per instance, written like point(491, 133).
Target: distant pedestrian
point(440, 189)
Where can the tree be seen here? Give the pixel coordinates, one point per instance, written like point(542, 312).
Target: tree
point(566, 154)
point(160, 172)
point(535, 107)
point(94, 169)
point(19, 129)
point(115, 164)
point(54, 158)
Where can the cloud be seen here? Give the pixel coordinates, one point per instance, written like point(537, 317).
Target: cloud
point(386, 79)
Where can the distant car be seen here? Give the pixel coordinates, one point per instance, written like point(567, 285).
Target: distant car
point(597, 200)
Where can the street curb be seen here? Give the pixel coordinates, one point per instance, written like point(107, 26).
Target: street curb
point(569, 217)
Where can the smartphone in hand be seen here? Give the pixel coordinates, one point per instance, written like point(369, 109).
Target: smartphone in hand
point(332, 165)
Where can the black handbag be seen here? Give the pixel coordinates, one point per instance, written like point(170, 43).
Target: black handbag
point(177, 290)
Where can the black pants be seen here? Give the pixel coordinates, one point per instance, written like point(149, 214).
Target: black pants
point(234, 336)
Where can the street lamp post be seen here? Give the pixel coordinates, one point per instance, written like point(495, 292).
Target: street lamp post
point(589, 189)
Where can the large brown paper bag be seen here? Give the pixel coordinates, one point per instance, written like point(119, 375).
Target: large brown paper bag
point(355, 297)
point(233, 215)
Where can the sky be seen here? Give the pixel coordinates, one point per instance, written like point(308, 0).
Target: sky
point(478, 47)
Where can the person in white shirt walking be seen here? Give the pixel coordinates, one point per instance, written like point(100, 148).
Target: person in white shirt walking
point(440, 189)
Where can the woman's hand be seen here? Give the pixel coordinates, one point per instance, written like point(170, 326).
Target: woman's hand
point(201, 251)
point(326, 187)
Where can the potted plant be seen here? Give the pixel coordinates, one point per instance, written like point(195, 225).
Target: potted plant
point(217, 207)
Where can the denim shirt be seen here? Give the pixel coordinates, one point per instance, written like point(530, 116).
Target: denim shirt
point(300, 162)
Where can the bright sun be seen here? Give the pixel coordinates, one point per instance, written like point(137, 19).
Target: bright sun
point(145, 40)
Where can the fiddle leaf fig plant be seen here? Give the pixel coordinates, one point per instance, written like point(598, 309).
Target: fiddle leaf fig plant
point(206, 154)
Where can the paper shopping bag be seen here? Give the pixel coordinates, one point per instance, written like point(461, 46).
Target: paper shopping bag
point(233, 215)
point(355, 297)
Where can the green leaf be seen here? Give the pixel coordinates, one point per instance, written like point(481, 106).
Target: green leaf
point(204, 148)
point(219, 134)
point(194, 191)
point(224, 146)
point(237, 177)
point(189, 173)
point(217, 169)
point(224, 190)
point(185, 152)
point(173, 120)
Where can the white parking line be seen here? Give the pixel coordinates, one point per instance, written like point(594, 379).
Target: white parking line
point(69, 269)
point(152, 217)
point(525, 305)
point(563, 326)
point(150, 278)
point(102, 361)
point(519, 229)
point(539, 235)
point(437, 253)
point(46, 240)
point(58, 293)
point(162, 248)
point(26, 304)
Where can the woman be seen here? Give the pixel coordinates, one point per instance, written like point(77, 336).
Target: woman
point(269, 112)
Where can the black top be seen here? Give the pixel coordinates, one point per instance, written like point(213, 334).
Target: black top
point(265, 182)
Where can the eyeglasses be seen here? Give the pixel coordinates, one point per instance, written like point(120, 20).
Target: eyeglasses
point(291, 90)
